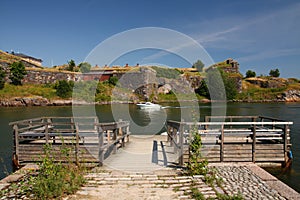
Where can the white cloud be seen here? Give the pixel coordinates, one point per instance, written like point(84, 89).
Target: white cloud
point(269, 54)
point(248, 34)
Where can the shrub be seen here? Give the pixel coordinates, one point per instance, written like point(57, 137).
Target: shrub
point(85, 67)
point(274, 73)
point(113, 80)
point(250, 74)
point(203, 90)
point(55, 178)
point(198, 65)
point(64, 88)
point(2, 78)
point(17, 73)
point(197, 165)
point(71, 65)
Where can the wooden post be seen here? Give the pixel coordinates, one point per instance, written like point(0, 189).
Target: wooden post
point(254, 144)
point(181, 130)
point(120, 129)
point(72, 123)
point(115, 135)
point(175, 139)
point(168, 132)
point(222, 144)
point(285, 147)
point(171, 136)
point(16, 138)
point(123, 137)
point(101, 150)
point(77, 145)
point(206, 120)
point(127, 133)
point(95, 123)
point(47, 133)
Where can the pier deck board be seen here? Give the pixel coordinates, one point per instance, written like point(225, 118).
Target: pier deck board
point(144, 153)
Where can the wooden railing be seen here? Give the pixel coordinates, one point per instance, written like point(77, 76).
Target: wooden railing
point(234, 138)
point(86, 138)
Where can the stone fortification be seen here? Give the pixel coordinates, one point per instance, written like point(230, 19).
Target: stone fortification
point(37, 76)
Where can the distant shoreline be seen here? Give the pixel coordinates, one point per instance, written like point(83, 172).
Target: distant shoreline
point(32, 102)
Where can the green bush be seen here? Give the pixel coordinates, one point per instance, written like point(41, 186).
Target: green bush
point(2, 78)
point(197, 164)
point(55, 178)
point(113, 80)
point(64, 88)
point(85, 67)
point(274, 73)
point(85, 90)
point(17, 73)
point(203, 90)
point(250, 74)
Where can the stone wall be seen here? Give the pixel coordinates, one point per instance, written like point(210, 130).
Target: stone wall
point(44, 76)
point(142, 82)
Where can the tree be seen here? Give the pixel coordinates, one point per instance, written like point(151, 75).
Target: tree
point(274, 73)
point(203, 90)
point(85, 67)
point(113, 80)
point(198, 65)
point(2, 78)
point(221, 85)
point(250, 74)
point(64, 88)
point(230, 87)
point(71, 65)
point(17, 73)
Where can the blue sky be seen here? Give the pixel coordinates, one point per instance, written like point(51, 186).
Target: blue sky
point(260, 34)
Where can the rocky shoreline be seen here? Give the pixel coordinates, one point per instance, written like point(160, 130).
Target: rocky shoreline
point(286, 97)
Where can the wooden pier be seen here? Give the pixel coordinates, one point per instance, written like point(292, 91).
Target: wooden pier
point(234, 139)
point(84, 140)
point(73, 139)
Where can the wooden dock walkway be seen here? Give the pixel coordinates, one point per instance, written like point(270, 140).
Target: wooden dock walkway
point(225, 139)
point(80, 140)
point(254, 139)
point(144, 153)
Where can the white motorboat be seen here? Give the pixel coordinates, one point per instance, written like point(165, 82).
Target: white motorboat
point(148, 105)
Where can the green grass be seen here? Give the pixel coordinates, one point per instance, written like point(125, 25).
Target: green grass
point(27, 90)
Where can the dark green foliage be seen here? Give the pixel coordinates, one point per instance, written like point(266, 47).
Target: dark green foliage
point(103, 92)
point(17, 73)
point(2, 78)
point(197, 165)
point(274, 73)
point(85, 67)
point(55, 178)
point(166, 72)
point(221, 86)
point(203, 90)
point(85, 90)
point(113, 80)
point(230, 87)
point(215, 85)
point(198, 65)
point(196, 194)
point(71, 65)
point(64, 88)
point(250, 74)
